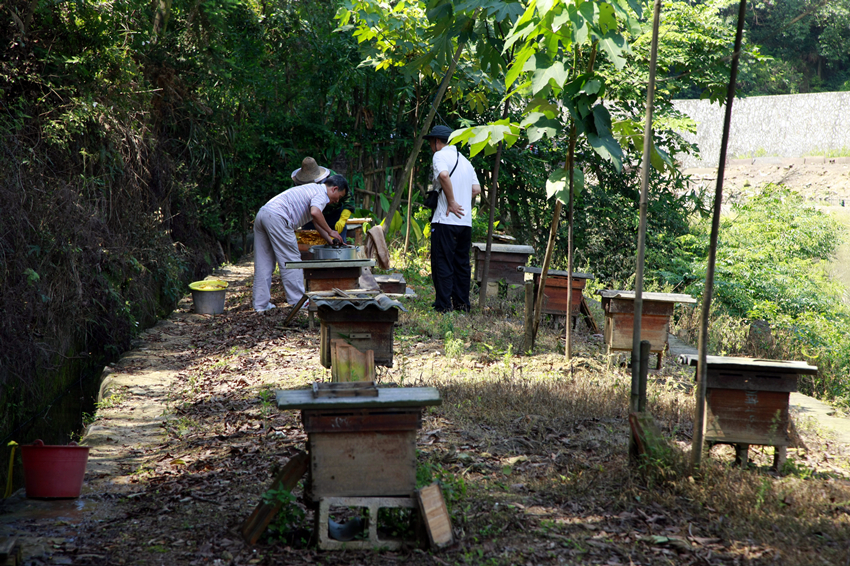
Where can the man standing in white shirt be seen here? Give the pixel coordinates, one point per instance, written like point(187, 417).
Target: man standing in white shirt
point(451, 226)
point(274, 235)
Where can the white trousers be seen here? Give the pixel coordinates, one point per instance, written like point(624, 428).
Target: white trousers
point(274, 242)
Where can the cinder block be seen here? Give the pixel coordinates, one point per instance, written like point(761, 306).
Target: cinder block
point(370, 503)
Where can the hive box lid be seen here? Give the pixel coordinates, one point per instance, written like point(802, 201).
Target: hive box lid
point(660, 297)
point(539, 271)
point(503, 248)
point(387, 397)
point(329, 263)
point(721, 362)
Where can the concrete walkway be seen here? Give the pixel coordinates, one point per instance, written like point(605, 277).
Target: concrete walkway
point(802, 406)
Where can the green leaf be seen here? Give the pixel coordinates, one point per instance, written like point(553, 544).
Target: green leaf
point(556, 72)
point(32, 276)
point(589, 11)
point(543, 7)
point(557, 184)
point(659, 159)
point(537, 61)
point(398, 220)
point(608, 148)
point(637, 6)
point(592, 86)
point(631, 23)
point(560, 20)
point(417, 229)
point(598, 132)
point(602, 120)
point(580, 27)
point(607, 20)
point(544, 105)
point(385, 204)
point(520, 29)
point(486, 138)
point(517, 66)
point(616, 47)
point(538, 125)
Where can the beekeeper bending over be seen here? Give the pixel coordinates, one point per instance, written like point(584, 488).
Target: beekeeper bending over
point(274, 235)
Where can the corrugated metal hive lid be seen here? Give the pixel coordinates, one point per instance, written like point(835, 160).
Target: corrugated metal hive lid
point(357, 300)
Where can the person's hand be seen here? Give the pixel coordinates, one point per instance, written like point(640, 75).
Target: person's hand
point(334, 236)
point(454, 208)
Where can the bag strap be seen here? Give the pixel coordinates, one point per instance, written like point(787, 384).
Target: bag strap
point(457, 159)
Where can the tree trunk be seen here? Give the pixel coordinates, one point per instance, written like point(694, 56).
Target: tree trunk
point(568, 338)
point(418, 143)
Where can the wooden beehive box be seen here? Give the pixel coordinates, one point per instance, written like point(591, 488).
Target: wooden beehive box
point(368, 329)
point(330, 274)
point(747, 399)
point(555, 293)
point(619, 307)
point(370, 453)
point(504, 261)
point(392, 283)
point(350, 364)
point(361, 446)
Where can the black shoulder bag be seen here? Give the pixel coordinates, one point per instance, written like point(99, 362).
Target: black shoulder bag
point(433, 196)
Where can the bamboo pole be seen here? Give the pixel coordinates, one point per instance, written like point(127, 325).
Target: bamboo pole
point(409, 208)
point(485, 275)
point(702, 371)
point(644, 200)
point(568, 338)
point(538, 303)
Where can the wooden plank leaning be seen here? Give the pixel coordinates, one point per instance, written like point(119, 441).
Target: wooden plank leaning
point(255, 525)
point(438, 523)
point(295, 310)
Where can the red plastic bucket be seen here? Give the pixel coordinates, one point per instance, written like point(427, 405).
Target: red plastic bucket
point(54, 471)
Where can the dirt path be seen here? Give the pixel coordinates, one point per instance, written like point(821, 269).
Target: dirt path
point(136, 394)
point(821, 179)
point(136, 401)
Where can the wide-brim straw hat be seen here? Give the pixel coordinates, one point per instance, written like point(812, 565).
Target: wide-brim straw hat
point(309, 172)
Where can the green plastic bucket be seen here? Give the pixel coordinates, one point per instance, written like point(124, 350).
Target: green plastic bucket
point(208, 296)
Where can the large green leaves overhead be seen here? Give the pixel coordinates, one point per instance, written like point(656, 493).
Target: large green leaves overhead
point(547, 43)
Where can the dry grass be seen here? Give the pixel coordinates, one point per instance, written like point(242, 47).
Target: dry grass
point(553, 440)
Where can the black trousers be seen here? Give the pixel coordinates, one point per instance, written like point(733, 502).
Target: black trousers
point(450, 269)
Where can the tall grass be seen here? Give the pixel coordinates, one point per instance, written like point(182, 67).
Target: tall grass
point(773, 294)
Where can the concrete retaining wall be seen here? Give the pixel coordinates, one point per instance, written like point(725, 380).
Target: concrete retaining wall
point(792, 125)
